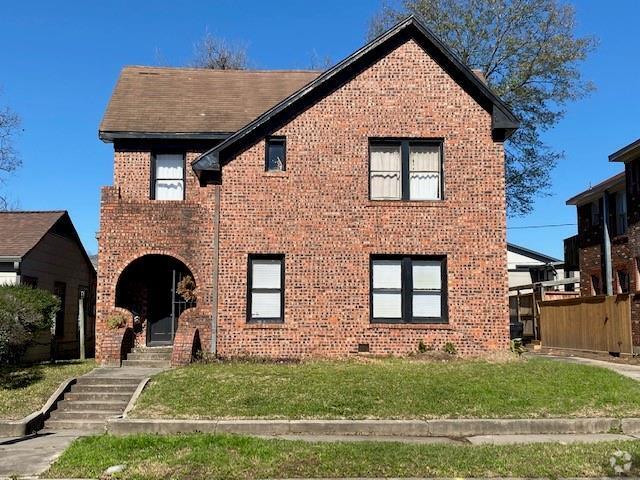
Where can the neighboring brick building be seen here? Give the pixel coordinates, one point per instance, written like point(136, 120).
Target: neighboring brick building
point(361, 209)
point(614, 204)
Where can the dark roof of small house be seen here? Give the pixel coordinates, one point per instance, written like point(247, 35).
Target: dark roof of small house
point(527, 252)
point(589, 194)
point(21, 231)
point(626, 153)
point(503, 121)
point(194, 102)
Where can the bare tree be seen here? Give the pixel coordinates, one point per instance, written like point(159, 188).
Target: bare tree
point(322, 63)
point(218, 54)
point(9, 159)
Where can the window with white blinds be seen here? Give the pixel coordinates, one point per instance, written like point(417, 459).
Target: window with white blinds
point(386, 168)
point(408, 289)
point(266, 288)
point(405, 170)
point(168, 176)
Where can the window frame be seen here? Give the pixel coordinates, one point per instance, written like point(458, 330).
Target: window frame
point(405, 144)
point(267, 142)
point(250, 290)
point(406, 290)
point(154, 179)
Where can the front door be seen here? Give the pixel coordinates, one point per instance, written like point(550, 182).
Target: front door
point(161, 317)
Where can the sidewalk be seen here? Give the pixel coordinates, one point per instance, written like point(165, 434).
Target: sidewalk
point(32, 455)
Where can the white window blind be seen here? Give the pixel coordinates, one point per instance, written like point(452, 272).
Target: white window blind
point(266, 288)
point(427, 286)
point(424, 172)
point(265, 305)
point(386, 167)
point(169, 177)
point(387, 289)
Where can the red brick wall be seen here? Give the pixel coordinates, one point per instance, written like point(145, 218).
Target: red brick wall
point(132, 225)
point(318, 214)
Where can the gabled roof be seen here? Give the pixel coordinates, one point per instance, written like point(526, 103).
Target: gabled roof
point(594, 192)
point(153, 102)
point(626, 153)
point(526, 252)
point(504, 122)
point(23, 230)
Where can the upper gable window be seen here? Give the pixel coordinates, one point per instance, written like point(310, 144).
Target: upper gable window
point(276, 151)
point(405, 170)
point(168, 177)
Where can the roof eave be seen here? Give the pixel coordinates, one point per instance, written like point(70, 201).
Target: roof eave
point(109, 136)
point(626, 153)
point(595, 191)
point(504, 122)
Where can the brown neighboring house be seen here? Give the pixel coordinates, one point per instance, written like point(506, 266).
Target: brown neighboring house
point(606, 249)
point(361, 209)
point(42, 249)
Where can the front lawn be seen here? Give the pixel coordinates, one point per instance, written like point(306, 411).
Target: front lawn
point(389, 388)
point(26, 388)
point(200, 456)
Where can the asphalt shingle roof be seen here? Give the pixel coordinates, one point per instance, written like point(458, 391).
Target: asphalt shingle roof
point(21, 231)
point(190, 100)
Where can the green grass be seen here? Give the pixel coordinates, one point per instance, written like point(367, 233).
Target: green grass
point(200, 456)
point(26, 388)
point(389, 388)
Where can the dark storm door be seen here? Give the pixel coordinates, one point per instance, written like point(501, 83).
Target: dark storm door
point(162, 312)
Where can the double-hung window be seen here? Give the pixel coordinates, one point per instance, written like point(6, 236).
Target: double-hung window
point(405, 170)
point(266, 288)
point(168, 176)
point(408, 289)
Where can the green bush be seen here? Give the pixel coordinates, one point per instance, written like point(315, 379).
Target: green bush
point(23, 312)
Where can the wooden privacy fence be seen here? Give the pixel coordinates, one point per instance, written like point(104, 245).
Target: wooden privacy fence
point(600, 323)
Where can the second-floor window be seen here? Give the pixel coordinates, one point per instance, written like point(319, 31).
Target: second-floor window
point(405, 170)
point(168, 176)
point(276, 154)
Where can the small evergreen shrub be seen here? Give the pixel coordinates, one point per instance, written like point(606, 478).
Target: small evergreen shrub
point(450, 348)
point(23, 312)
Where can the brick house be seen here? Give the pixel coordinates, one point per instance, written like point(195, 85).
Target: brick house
point(361, 209)
point(606, 249)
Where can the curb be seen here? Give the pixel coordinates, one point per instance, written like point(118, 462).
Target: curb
point(406, 428)
point(134, 398)
point(35, 421)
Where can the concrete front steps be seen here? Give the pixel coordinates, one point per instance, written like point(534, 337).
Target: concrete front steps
point(91, 401)
point(149, 357)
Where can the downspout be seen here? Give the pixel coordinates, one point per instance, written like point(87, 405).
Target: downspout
point(214, 293)
point(606, 243)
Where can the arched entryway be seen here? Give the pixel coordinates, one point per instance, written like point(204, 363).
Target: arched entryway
point(157, 289)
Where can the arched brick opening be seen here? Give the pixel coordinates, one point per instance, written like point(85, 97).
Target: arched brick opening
point(152, 288)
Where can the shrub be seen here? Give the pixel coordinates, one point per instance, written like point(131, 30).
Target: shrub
point(450, 348)
point(23, 312)
point(115, 321)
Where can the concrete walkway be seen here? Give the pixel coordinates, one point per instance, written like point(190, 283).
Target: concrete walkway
point(32, 455)
point(631, 371)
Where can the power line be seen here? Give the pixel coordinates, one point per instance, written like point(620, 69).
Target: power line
point(551, 225)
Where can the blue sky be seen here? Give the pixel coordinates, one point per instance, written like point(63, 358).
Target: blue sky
point(60, 60)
